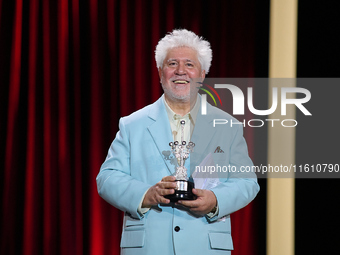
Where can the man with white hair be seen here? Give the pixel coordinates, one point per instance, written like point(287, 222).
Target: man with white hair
point(137, 173)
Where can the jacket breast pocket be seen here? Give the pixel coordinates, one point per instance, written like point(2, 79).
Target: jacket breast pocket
point(221, 241)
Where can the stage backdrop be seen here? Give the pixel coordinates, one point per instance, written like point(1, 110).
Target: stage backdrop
point(69, 69)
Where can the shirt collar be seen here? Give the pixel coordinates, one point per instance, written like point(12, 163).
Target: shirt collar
point(191, 115)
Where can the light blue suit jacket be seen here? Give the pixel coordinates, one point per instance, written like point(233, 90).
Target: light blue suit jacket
point(136, 160)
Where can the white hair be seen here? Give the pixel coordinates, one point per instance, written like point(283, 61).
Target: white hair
point(184, 38)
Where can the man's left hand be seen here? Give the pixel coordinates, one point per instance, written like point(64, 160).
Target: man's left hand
point(205, 202)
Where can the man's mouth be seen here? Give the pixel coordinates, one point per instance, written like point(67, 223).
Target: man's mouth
point(180, 81)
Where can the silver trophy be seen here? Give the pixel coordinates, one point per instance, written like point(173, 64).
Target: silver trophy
point(184, 185)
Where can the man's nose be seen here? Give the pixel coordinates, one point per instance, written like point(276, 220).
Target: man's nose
point(180, 70)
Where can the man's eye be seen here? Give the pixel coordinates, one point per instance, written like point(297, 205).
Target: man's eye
point(172, 63)
point(190, 65)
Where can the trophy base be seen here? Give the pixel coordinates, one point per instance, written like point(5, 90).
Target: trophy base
point(183, 192)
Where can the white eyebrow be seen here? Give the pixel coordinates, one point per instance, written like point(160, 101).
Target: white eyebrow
point(174, 59)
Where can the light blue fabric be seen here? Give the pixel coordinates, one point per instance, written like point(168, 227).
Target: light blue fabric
point(136, 160)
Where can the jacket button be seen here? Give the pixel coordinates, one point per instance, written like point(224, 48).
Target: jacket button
point(177, 228)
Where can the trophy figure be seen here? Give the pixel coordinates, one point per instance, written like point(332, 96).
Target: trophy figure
point(181, 151)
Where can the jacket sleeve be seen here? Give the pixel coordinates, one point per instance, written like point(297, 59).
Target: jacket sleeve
point(114, 181)
point(240, 187)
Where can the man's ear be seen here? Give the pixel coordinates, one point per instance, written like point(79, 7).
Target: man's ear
point(203, 74)
point(160, 71)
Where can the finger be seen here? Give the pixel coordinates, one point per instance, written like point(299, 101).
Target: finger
point(168, 178)
point(198, 192)
point(163, 200)
point(167, 185)
point(164, 192)
point(188, 203)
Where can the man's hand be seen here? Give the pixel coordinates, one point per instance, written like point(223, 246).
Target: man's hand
point(205, 202)
point(156, 193)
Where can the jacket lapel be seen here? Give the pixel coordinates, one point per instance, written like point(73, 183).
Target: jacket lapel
point(161, 132)
point(202, 136)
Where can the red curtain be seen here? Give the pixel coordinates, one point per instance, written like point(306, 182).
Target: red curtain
point(68, 70)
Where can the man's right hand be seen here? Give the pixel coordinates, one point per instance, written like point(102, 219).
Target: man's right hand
point(155, 194)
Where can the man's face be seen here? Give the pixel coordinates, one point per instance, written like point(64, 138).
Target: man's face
point(180, 65)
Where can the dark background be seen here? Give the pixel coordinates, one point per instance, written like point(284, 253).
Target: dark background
point(316, 200)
